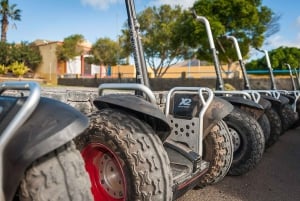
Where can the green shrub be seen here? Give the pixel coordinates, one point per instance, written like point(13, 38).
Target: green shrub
point(18, 69)
point(3, 69)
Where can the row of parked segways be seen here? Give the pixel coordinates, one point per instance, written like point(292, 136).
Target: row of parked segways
point(131, 149)
point(199, 137)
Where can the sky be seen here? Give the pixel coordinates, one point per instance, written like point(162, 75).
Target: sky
point(57, 19)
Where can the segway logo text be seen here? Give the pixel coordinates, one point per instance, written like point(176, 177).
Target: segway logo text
point(185, 102)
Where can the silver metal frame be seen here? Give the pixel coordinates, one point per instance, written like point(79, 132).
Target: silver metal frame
point(297, 97)
point(246, 94)
point(128, 86)
point(242, 64)
point(273, 83)
point(136, 43)
point(291, 76)
point(295, 92)
point(273, 93)
point(23, 114)
point(197, 122)
point(220, 83)
point(196, 144)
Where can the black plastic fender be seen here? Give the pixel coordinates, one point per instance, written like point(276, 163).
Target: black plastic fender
point(291, 98)
point(51, 125)
point(265, 103)
point(143, 109)
point(255, 109)
point(241, 101)
point(286, 99)
point(217, 110)
point(276, 103)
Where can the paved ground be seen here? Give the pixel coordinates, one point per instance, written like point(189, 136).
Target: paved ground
point(276, 178)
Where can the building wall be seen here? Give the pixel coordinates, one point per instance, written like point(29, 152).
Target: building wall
point(128, 71)
point(48, 69)
point(125, 71)
point(195, 72)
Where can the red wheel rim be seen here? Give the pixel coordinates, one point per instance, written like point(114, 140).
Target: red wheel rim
point(105, 171)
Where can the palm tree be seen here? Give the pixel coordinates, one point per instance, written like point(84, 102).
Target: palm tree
point(8, 11)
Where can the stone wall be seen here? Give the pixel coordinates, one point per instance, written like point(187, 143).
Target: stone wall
point(82, 97)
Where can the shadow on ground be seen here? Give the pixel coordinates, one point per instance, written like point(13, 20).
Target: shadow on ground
point(276, 178)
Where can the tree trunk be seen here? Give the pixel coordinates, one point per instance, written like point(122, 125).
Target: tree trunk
point(4, 25)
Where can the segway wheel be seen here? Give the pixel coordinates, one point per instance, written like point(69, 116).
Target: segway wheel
point(265, 126)
point(248, 140)
point(125, 158)
point(59, 175)
point(275, 125)
point(218, 151)
point(288, 117)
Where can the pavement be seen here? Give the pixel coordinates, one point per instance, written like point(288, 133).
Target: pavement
point(276, 177)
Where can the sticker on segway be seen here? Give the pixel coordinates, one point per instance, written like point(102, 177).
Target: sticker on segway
point(185, 105)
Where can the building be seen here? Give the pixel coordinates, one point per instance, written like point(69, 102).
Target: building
point(196, 69)
point(50, 68)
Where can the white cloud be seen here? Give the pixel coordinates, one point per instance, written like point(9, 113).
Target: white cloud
point(275, 42)
point(100, 4)
point(183, 3)
point(278, 41)
point(285, 39)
